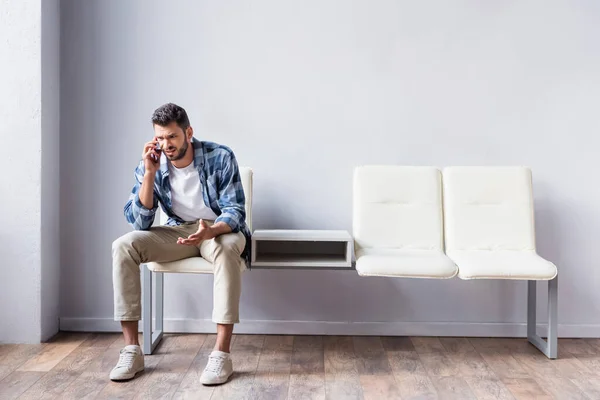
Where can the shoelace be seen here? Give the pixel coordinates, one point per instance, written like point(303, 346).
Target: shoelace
point(215, 364)
point(126, 359)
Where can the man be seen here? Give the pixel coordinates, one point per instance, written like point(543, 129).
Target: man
point(198, 186)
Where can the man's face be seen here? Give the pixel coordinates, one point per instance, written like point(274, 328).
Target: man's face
point(173, 141)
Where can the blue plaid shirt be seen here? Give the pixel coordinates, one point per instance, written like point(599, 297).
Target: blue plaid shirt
point(220, 179)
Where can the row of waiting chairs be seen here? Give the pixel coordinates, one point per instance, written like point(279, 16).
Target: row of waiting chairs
point(423, 222)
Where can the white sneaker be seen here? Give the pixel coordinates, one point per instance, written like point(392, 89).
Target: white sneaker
point(218, 370)
point(131, 361)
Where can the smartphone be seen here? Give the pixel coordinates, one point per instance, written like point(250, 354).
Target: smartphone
point(158, 150)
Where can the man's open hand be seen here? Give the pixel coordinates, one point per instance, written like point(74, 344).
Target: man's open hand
point(204, 232)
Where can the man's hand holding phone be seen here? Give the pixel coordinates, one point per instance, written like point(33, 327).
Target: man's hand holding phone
point(151, 156)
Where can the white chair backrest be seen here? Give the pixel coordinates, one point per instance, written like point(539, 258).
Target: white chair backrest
point(246, 174)
point(488, 208)
point(397, 207)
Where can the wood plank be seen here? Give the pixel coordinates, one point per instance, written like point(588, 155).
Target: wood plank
point(176, 356)
point(577, 347)
point(88, 385)
point(406, 363)
point(248, 342)
point(6, 348)
point(488, 388)
point(589, 385)
point(49, 357)
point(103, 340)
point(371, 359)
point(307, 386)
point(438, 364)
point(471, 364)
point(502, 345)
point(536, 364)
point(594, 342)
point(569, 366)
point(245, 353)
point(164, 345)
point(308, 342)
point(278, 342)
point(452, 387)
point(590, 362)
point(307, 373)
point(454, 345)
point(54, 352)
point(64, 337)
point(190, 386)
point(160, 385)
point(424, 345)
point(50, 386)
point(16, 355)
point(15, 384)
point(341, 377)
point(5, 370)
point(577, 358)
point(378, 387)
point(376, 375)
point(415, 387)
point(504, 365)
point(8, 365)
point(498, 355)
point(308, 361)
point(180, 353)
point(397, 343)
point(561, 388)
point(80, 359)
point(272, 376)
point(526, 389)
point(105, 361)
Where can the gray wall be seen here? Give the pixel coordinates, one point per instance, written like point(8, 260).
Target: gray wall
point(50, 200)
point(30, 132)
point(20, 113)
point(344, 83)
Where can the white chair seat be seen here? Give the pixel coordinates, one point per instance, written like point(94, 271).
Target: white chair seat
point(192, 265)
point(502, 264)
point(405, 264)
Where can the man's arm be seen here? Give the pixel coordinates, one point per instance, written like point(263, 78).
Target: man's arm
point(146, 193)
point(219, 228)
point(142, 204)
point(231, 199)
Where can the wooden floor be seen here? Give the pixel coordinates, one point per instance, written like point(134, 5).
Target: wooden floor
point(76, 366)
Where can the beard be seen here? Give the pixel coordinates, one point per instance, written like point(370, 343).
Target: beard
point(179, 153)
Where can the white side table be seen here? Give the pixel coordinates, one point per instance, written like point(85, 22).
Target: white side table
point(302, 249)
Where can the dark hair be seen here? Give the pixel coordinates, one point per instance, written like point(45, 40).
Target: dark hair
point(170, 112)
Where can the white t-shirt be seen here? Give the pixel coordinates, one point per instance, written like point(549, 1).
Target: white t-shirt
point(186, 194)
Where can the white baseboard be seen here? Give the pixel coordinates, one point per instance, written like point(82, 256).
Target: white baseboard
point(468, 329)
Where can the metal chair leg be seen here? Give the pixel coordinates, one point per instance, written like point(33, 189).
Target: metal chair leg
point(152, 338)
point(550, 346)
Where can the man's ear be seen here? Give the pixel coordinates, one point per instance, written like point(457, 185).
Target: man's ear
point(189, 133)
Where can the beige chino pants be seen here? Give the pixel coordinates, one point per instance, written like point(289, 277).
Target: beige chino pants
point(159, 244)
